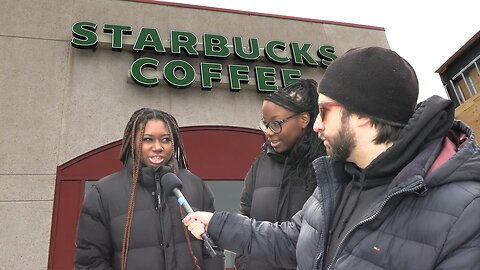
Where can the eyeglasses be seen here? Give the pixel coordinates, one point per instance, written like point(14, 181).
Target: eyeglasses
point(323, 108)
point(275, 125)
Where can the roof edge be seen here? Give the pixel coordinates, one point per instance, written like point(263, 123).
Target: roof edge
point(460, 51)
point(259, 14)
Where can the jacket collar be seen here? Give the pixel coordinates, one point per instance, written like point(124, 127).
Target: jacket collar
point(146, 176)
point(278, 157)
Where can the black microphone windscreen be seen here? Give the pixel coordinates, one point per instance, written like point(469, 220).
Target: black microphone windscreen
point(162, 170)
point(170, 181)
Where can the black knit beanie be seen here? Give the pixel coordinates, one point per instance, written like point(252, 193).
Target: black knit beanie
point(375, 82)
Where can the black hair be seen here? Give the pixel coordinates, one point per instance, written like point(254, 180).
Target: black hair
point(385, 133)
point(131, 150)
point(298, 97)
point(137, 123)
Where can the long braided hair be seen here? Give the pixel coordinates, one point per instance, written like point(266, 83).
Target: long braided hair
point(131, 149)
point(302, 96)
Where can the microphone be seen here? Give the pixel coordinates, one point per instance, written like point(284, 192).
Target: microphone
point(172, 185)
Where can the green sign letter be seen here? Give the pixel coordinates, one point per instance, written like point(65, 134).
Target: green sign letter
point(215, 46)
point(272, 56)
point(185, 40)
point(210, 72)
point(254, 49)
point(237, 74)
point(326, 54)
point(136, 71)
point(84, 36)
point(302, 53)
point(290, 75)
point(265, 79)
point(117, 32)
point(169, 73)
point(149, 37)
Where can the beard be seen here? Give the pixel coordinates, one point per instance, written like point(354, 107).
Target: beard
point(343, 144)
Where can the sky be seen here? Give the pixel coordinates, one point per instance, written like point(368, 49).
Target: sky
point(425, 33)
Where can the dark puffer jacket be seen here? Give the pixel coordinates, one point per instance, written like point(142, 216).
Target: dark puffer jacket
point(157, 239)
point(428, 218)
point(272, 192)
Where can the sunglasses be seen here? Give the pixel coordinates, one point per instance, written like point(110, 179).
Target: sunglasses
point(323, 108)
point(275, 125)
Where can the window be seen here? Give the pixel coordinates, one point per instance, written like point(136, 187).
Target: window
point(467, 82)
point(473, 79)
point(461, 87)
point(227, 198)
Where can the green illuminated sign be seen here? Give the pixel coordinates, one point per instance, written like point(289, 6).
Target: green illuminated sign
point(180, 73)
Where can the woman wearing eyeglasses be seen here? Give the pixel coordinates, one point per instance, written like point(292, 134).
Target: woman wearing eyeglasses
point(282, 178)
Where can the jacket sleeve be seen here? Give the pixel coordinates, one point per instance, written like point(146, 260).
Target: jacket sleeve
point(216, 263)
point(462, 247)
point(273, 242)
point(93, 244)
point(247, 191)
point(246, 206)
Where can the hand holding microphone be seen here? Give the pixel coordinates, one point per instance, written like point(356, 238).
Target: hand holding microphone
point(197, 222)
point(172, 186)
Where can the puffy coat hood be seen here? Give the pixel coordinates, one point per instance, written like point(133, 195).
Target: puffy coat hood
point(431, 120)
point(431, 134)
point(463, 164)
point(426, 128)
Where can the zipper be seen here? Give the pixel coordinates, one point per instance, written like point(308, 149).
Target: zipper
point(406, 190)
point(160, 212)
point(322, 236)
point(159, 196)
point(331, 201)
point(281, 194)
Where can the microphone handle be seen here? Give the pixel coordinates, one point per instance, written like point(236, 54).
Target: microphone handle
point(182, 201)
point(209, 245)
point(207, 241)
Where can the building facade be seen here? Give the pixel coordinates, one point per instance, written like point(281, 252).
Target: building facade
point(460, 76)
point(72, 73)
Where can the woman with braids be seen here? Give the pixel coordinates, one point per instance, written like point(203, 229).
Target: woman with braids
point(128, 221)
point(282, 178)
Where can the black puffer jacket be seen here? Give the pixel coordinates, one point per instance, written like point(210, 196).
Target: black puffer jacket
point(428, 218)
point(157, 239)
point(272, 192)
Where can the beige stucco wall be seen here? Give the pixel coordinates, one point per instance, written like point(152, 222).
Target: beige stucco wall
point(469, 112)
point(58, 102)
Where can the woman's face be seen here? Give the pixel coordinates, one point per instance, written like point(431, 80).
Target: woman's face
point(292, 128)
point(157, 145)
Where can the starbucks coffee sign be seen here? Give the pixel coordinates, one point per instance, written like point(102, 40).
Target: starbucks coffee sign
point(180, 73)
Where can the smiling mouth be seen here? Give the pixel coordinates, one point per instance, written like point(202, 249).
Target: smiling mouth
point(274, 143)
point(156, 159)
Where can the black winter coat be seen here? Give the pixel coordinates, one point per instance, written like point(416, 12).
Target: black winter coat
point(157, 238)
point(272, 193)
point(428, 218)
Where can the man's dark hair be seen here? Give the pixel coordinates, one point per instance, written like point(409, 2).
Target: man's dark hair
point(385, 133)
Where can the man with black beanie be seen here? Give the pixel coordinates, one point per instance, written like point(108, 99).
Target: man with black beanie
point(399, 189)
